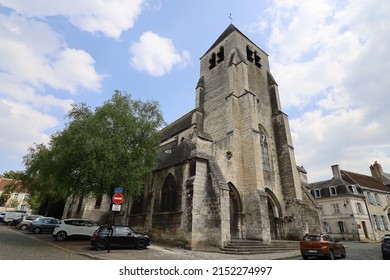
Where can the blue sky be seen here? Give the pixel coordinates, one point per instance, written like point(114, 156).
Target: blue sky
point(330, 59)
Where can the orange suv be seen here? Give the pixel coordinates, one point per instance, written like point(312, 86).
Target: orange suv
point(321, 245)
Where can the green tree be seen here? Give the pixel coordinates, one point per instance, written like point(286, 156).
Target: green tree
point(113, 146)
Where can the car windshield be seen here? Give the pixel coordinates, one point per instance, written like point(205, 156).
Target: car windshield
point(312, 238)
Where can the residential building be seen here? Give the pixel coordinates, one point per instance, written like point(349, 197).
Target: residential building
point(353, 206)
point(17, 199)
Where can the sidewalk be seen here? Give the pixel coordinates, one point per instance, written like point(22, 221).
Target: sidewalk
point(156, 252)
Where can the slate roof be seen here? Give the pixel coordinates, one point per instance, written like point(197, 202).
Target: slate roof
point(229, 30)
point(177, 126)
point(184, 151)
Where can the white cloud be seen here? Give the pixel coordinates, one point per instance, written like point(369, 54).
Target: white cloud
point(330, 61)
point(109, 17)
point(36, 55)
point(156, 55)
point(35, 62)
point(20, 127)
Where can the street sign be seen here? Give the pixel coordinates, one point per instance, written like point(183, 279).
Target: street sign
point(117, 198)
point(116, 207)
point(118, 190)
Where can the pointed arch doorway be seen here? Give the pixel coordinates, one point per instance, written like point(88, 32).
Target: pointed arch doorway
point(235, 206)
point(274, 215)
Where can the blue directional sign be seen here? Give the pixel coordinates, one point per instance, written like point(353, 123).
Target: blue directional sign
point(118, 190)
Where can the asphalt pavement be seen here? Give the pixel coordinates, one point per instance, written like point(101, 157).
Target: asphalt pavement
point(82, 249)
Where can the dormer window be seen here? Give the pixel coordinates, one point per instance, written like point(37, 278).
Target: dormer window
point(317, 193)
point(354, 189)
point(332, 190)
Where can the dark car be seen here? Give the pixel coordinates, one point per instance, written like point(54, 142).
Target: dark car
point(385, 247)
point(15, 221)
point(44, 225)
point(122, 237)
point(321, 245)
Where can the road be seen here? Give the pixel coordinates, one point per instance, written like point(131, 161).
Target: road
point(20, 245)
point(23, 245)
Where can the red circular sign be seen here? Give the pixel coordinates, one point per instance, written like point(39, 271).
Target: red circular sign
point(117, 198)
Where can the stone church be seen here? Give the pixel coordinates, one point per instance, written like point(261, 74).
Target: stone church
point(226, 169)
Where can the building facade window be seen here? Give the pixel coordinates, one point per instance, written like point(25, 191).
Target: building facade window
point(169, 195)
point(332, 190)
point(327, 227)
point(317, 193)
point(377, 199)
point(354, 189)
point(385, 223)
point(376, 222)
point(359, 208)
point(336, 208)
point(341, 226)
point(264, 151)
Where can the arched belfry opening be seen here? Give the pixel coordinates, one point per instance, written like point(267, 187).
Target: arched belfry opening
point(235, 212)
point(274, 215)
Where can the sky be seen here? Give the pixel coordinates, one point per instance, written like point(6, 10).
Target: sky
point(329, 57)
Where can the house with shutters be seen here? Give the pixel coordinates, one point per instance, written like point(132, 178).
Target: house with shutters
point(354, 206)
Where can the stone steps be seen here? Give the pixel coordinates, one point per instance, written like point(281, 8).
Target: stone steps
point(244, 247)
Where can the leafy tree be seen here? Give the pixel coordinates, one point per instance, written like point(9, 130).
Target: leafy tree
point(113, 146)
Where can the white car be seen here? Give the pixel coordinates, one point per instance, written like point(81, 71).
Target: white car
point(74, 227)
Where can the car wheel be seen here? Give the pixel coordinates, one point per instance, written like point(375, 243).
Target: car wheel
point(140, 244)
point(331, 255)
point(23, 227)
point(343, 253)
point(61, 236)
point(101, 245)
point(37, 230)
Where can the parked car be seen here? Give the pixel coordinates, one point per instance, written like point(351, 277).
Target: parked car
point(385, 248)
point(2, 215)
point(27, 220)
point(321, 245)
point(74, 227)
point(15, 221)
point(46, 224)
point(122, 236)
point(9, 216)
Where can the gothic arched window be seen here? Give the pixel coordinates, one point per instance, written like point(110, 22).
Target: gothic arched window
point(264, 151)
point(169, 195)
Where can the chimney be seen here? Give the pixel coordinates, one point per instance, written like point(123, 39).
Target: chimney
point(336, 171)
point(376, 171)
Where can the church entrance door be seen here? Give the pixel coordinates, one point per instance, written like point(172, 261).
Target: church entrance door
point(235, 212)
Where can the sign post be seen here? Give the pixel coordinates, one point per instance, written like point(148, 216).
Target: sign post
point(117, 200)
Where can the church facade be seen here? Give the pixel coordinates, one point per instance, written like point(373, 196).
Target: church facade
point(227, 169)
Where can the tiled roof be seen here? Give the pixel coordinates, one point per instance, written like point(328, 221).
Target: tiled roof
point(4, 182)
point(364, 180)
